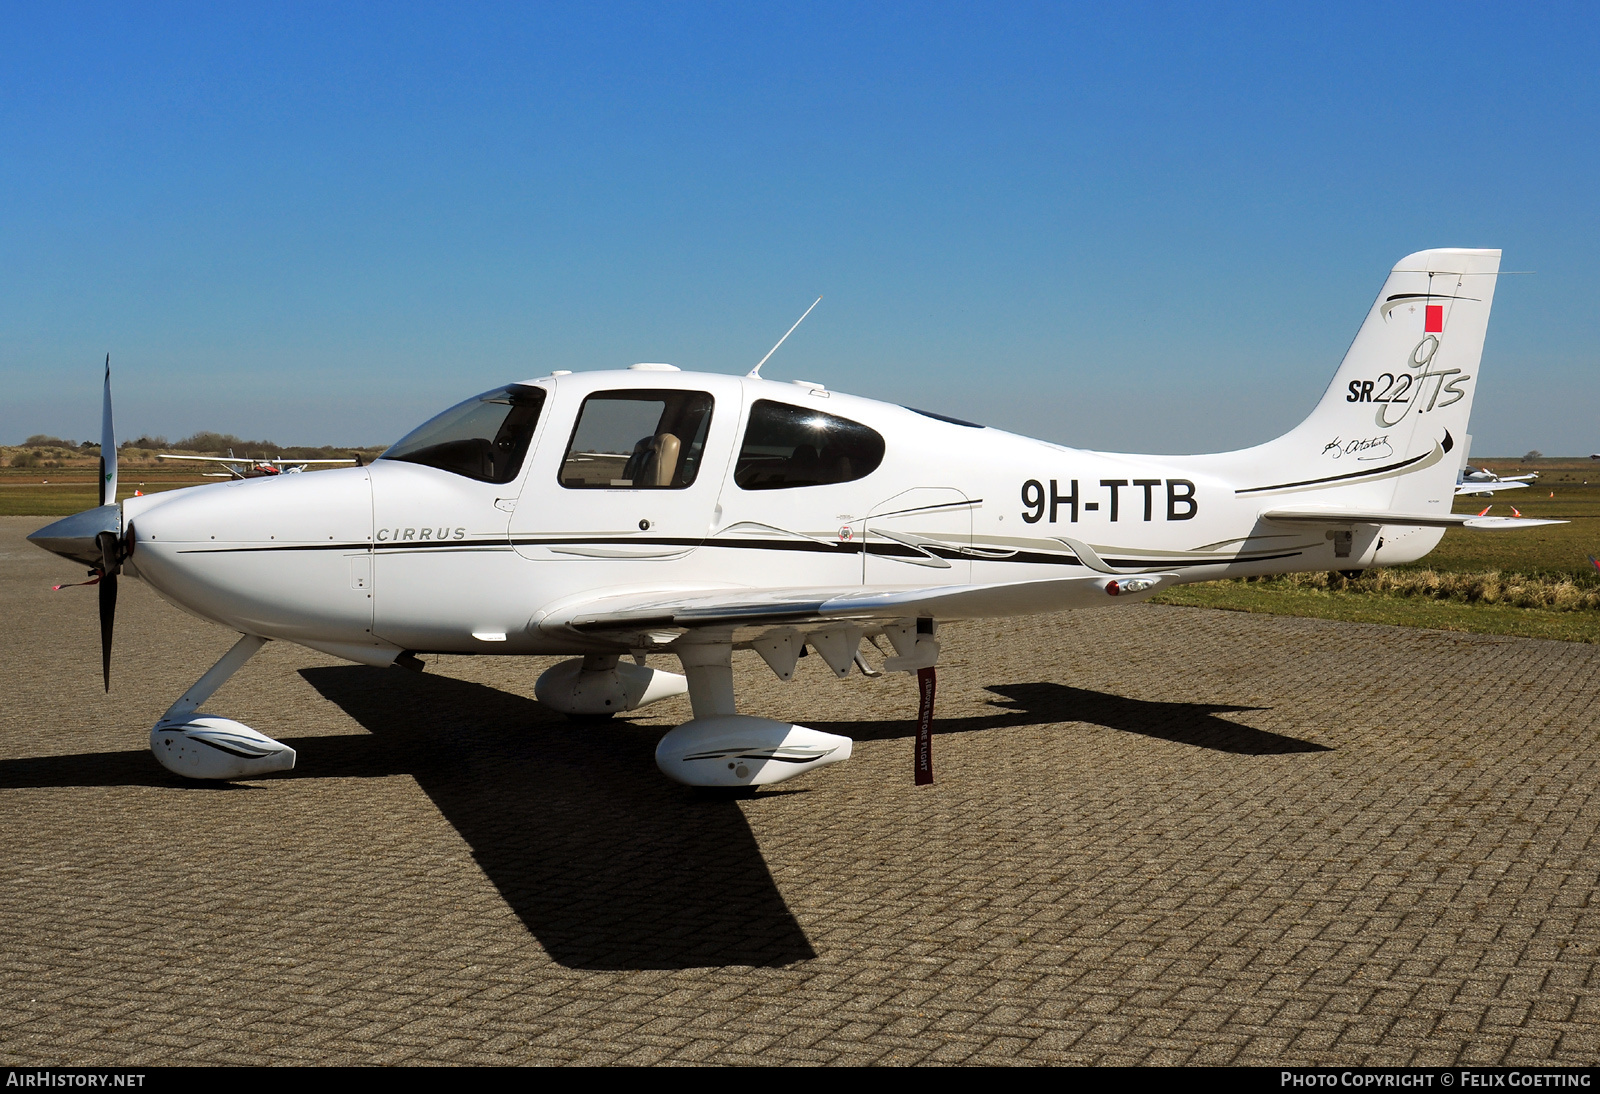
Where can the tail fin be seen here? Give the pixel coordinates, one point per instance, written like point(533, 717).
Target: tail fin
point(1391, 431)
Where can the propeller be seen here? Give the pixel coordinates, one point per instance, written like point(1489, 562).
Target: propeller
point(110, 548)
point(110, 567)
point(108, 446)
point(95, 537)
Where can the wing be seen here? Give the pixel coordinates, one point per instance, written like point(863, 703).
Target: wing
point(304, 463)
point(655, 617)
point(232, 466)
point(1471, 489)
point(202, 459)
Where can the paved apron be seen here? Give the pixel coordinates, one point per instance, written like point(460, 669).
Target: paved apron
point(1158, 835)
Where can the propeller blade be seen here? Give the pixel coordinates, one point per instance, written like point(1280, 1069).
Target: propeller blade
point(108, 446)
point(108, 618)
point(110, 566)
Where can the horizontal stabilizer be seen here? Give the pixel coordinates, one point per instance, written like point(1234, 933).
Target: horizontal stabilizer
point(1506, 524)
point(1333, 514)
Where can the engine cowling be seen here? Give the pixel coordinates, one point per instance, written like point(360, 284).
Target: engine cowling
point(604, 685)
point(739, 750)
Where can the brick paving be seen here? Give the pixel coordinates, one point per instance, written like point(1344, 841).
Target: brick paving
point(1159, 835)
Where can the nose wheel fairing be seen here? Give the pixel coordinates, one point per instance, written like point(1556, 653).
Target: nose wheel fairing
point(208, 747)
point(205, 746)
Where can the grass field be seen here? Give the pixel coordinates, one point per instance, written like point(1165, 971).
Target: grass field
point(1551, 556)
point(1278, 598)
point(54, 482)
point(58, 491)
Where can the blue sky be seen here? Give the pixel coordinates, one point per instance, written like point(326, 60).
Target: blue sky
point(1143, 228)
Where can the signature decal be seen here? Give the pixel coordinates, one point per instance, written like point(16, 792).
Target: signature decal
point(1383, 471)
point(1364, 449)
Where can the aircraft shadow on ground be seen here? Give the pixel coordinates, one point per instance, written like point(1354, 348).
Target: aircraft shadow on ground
point(1193, 724)
point(606, 862)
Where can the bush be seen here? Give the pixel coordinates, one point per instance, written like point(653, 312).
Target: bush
point(145, 441)
point(1551, 592)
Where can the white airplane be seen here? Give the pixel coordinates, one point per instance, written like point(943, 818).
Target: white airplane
point(622, 515)
point(1478, 481)
point(248, 468)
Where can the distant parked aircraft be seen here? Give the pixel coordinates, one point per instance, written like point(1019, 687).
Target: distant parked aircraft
point(249, 468)
point(1476, 481)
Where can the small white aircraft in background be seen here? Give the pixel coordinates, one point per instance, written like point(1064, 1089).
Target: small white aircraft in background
point(648, 512)
point(1478, 481)
point(248, 468)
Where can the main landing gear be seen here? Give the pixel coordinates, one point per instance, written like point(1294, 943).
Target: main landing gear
point(720, 747)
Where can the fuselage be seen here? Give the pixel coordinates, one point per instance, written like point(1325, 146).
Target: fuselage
point(408, 554)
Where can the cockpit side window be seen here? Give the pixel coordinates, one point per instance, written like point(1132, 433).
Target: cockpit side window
point(638, 440)
point(786, 445)
point(485, 438)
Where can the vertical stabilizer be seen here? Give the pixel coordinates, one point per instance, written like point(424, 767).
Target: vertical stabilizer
point(1391, 430)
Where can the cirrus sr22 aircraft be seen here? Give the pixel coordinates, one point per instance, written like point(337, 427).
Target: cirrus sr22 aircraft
point(626, 515)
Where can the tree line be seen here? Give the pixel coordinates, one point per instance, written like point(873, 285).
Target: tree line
point(208, 443)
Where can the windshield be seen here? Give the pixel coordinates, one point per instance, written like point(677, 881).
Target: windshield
point(484, 438)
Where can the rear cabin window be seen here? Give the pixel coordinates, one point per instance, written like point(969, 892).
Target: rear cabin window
point(638, 440)
point(484, 438)
point(786, 445)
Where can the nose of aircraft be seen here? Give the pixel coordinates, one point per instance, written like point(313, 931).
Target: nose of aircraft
point(78, 537)
point(282, 510)
point(268, 556)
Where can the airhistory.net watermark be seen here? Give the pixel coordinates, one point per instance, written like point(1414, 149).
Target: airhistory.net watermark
point(49, 1078)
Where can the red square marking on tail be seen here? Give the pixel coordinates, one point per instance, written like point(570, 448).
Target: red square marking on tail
point(1435, 323)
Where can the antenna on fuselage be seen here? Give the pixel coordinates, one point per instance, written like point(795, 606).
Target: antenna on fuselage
point(755, 373)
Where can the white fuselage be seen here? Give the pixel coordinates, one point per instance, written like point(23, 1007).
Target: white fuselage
point(363, 562)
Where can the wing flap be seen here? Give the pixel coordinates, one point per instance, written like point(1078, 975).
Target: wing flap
point(656, 610)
